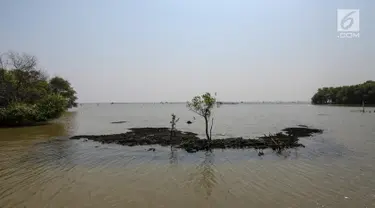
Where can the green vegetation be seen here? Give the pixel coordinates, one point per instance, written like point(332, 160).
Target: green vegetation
point(346, 95)
point(27, 96)
point(203, 105)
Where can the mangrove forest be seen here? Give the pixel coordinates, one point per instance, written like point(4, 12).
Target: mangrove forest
point(27, 95)
point(346, 95)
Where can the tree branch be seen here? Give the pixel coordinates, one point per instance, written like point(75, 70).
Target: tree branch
point(195, 111)
point(2, 64)
point(24, 62)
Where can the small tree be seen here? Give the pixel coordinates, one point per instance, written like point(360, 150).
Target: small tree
point(173, 125)
point(203, 105)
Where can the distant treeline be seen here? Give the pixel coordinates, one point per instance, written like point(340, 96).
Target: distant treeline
point(346, 95)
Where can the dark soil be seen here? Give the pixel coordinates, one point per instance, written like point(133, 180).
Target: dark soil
point(118, 122)
point(142, 136)
point(287, 138)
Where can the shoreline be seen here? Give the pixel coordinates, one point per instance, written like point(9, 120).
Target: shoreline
point(346, 105)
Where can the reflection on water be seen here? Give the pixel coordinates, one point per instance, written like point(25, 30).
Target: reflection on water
point(40, 167)
point(205, 175)
point(173, 157)
point(62, 127)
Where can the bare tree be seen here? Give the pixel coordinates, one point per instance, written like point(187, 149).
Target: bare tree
point(2, 61)
point(21, 62)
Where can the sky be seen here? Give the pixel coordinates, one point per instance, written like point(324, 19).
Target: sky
point(172, 50)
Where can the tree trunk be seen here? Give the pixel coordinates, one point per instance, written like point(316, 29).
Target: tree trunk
point(170, 138)
point(207, 134)
point(363, 106)
point(212, 124)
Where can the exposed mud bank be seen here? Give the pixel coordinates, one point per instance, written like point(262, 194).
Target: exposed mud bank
point(287, 138)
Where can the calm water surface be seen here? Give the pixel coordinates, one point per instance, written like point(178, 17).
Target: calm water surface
point(40, 167)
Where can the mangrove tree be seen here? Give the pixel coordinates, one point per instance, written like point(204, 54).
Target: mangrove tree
point(27, 95)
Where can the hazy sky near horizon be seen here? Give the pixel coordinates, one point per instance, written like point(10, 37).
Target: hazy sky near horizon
point(170, 50)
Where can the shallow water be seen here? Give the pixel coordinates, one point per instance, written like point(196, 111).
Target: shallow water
point(40, 167)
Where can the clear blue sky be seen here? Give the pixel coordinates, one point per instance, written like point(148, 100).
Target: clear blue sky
point(147, 50)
